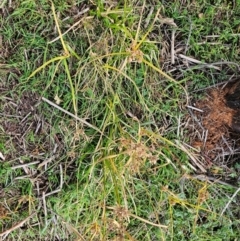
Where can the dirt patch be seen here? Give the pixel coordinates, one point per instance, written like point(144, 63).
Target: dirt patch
point(28, 135)
point(20, 110)
point(217, 127)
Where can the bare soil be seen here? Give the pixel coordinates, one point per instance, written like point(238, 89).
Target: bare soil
point(217, 129)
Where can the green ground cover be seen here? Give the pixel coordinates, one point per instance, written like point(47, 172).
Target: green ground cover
point(94, 129)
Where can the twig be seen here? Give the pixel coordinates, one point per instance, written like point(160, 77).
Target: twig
point(148, 222)
point(53, 192)
point(227, 144)
point(204, 137)
point(45, 162)
point(61, 177)
point(72, 115)
point(209, 43)
point(198, 62)
point(227, 63)
point(148, 17)
point(190, 59)
point(44, 207)
point(2, 156)
point(179, 125)
point(217, 36)
point(24, 165)
point(77, 15)
point(142, 219)
point(231, 199)
point(3, 3)
point(23, 177)
point(29, 113)
point(183, 148)
point(172, 46)
point(203, 65)
point(20, 224)
point(74, 25)
point(194, 108)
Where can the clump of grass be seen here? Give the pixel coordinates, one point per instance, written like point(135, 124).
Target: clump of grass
point(114, 169)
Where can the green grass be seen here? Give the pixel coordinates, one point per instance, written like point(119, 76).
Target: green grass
point(126, 181)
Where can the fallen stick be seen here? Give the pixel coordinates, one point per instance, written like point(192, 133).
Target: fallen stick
point(20, 224)
point(72, 115)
